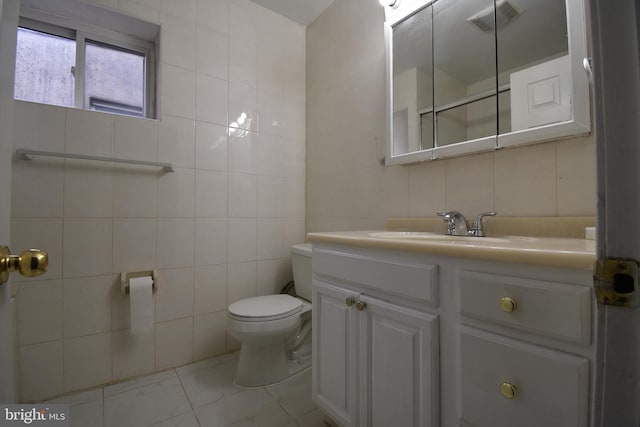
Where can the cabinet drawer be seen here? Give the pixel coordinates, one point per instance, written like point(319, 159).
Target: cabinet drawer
point(414, 281)
point(557, 310)
point(550, 388)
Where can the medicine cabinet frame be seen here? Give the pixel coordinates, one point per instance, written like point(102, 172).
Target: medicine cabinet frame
point(578, 124)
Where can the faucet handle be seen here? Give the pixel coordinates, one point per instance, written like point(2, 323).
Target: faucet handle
point(477, 230)
point(446, 216)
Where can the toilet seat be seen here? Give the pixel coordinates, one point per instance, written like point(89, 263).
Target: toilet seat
point(265, 308)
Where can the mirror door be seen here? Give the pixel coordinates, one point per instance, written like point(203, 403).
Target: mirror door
point(465, 76)
point(413, 84)
point(464, 71)
point(533, 67)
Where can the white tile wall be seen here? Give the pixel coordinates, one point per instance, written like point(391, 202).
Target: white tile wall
point(45, 200)
point(174, 343)
point(203, 227)
point(212, 194)
point(87, 361)
point(347, 187)
point(87, 246)
point(132, 354)
point(40, 310)
point(134, 244)
point(210, 334)
point(210, 289)
point(134, 193)
point(212, 96)
point(175, 242)
point(174, 298)
point(241, 281)
point(44, 376)
point(176, 139)
point(211, 147)
point(86, 303)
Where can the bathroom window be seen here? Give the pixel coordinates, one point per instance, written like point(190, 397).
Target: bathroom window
point(84, 67)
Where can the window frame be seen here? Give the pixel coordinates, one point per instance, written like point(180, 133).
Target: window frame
point(81, 33)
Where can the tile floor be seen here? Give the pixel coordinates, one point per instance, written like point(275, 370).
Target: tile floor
point(198, 395)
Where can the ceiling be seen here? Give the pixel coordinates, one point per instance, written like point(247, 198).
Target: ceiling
point(303, 12)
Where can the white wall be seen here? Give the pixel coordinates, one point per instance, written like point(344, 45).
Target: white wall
point(218, 229)
point(347, 188)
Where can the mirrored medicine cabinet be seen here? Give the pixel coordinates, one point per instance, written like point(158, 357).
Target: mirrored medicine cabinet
point(465, 76)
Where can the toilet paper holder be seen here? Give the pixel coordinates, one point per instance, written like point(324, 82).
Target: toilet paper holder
point(126, 275)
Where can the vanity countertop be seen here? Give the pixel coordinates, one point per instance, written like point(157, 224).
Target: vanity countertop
point(549, 251)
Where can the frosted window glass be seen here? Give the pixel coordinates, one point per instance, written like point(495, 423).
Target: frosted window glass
point(44, 66)
point(114, 80)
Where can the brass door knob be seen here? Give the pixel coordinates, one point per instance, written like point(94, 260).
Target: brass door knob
point(31, 263)
point(508, 390)
point(508, 304)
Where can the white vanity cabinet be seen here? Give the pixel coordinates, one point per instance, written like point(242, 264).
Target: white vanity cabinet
point(375, 358)
point(413, 338)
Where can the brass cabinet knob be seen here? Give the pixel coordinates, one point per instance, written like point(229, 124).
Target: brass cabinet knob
point(360, 305)
point(350, 301)
point(508, 390)
point(508, 304)
point(31, 263)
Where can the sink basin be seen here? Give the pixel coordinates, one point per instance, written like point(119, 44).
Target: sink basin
point(435, 237)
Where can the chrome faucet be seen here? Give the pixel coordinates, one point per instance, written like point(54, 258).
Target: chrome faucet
point(457, 224)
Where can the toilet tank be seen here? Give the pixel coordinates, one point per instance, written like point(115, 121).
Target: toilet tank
point(301, 262)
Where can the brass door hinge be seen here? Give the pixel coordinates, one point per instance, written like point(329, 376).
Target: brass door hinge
point(616, 282)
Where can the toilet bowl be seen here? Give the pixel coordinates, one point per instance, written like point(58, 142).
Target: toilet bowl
point(272, 328)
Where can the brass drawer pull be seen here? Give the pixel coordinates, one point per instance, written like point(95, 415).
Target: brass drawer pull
point(350, 300)
point(508, 390)
point(508, 304)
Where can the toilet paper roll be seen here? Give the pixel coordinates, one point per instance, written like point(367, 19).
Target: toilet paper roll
point(141, 300)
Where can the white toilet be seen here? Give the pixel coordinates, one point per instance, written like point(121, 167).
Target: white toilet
point(272, 328)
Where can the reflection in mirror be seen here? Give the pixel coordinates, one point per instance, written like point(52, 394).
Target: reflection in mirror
point(465, 69)
point(533, 62)
point(412, 83)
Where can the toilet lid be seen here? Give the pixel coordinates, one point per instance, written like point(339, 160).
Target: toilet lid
point(266, 306)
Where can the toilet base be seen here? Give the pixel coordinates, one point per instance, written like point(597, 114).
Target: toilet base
point(260, 365)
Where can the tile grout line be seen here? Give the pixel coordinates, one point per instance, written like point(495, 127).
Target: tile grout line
point(184, 390)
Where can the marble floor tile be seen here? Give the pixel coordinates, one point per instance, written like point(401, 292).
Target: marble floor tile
point(145, 401)
point(201, 394)
point(312, 419)
point(85, 408)
point(294, 394)
point(247, 408)
point(208, 381)
point(184, 420)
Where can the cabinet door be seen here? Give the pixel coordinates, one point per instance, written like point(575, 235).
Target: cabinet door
point(508, 383)
point(398, 373)
point(334, 353)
